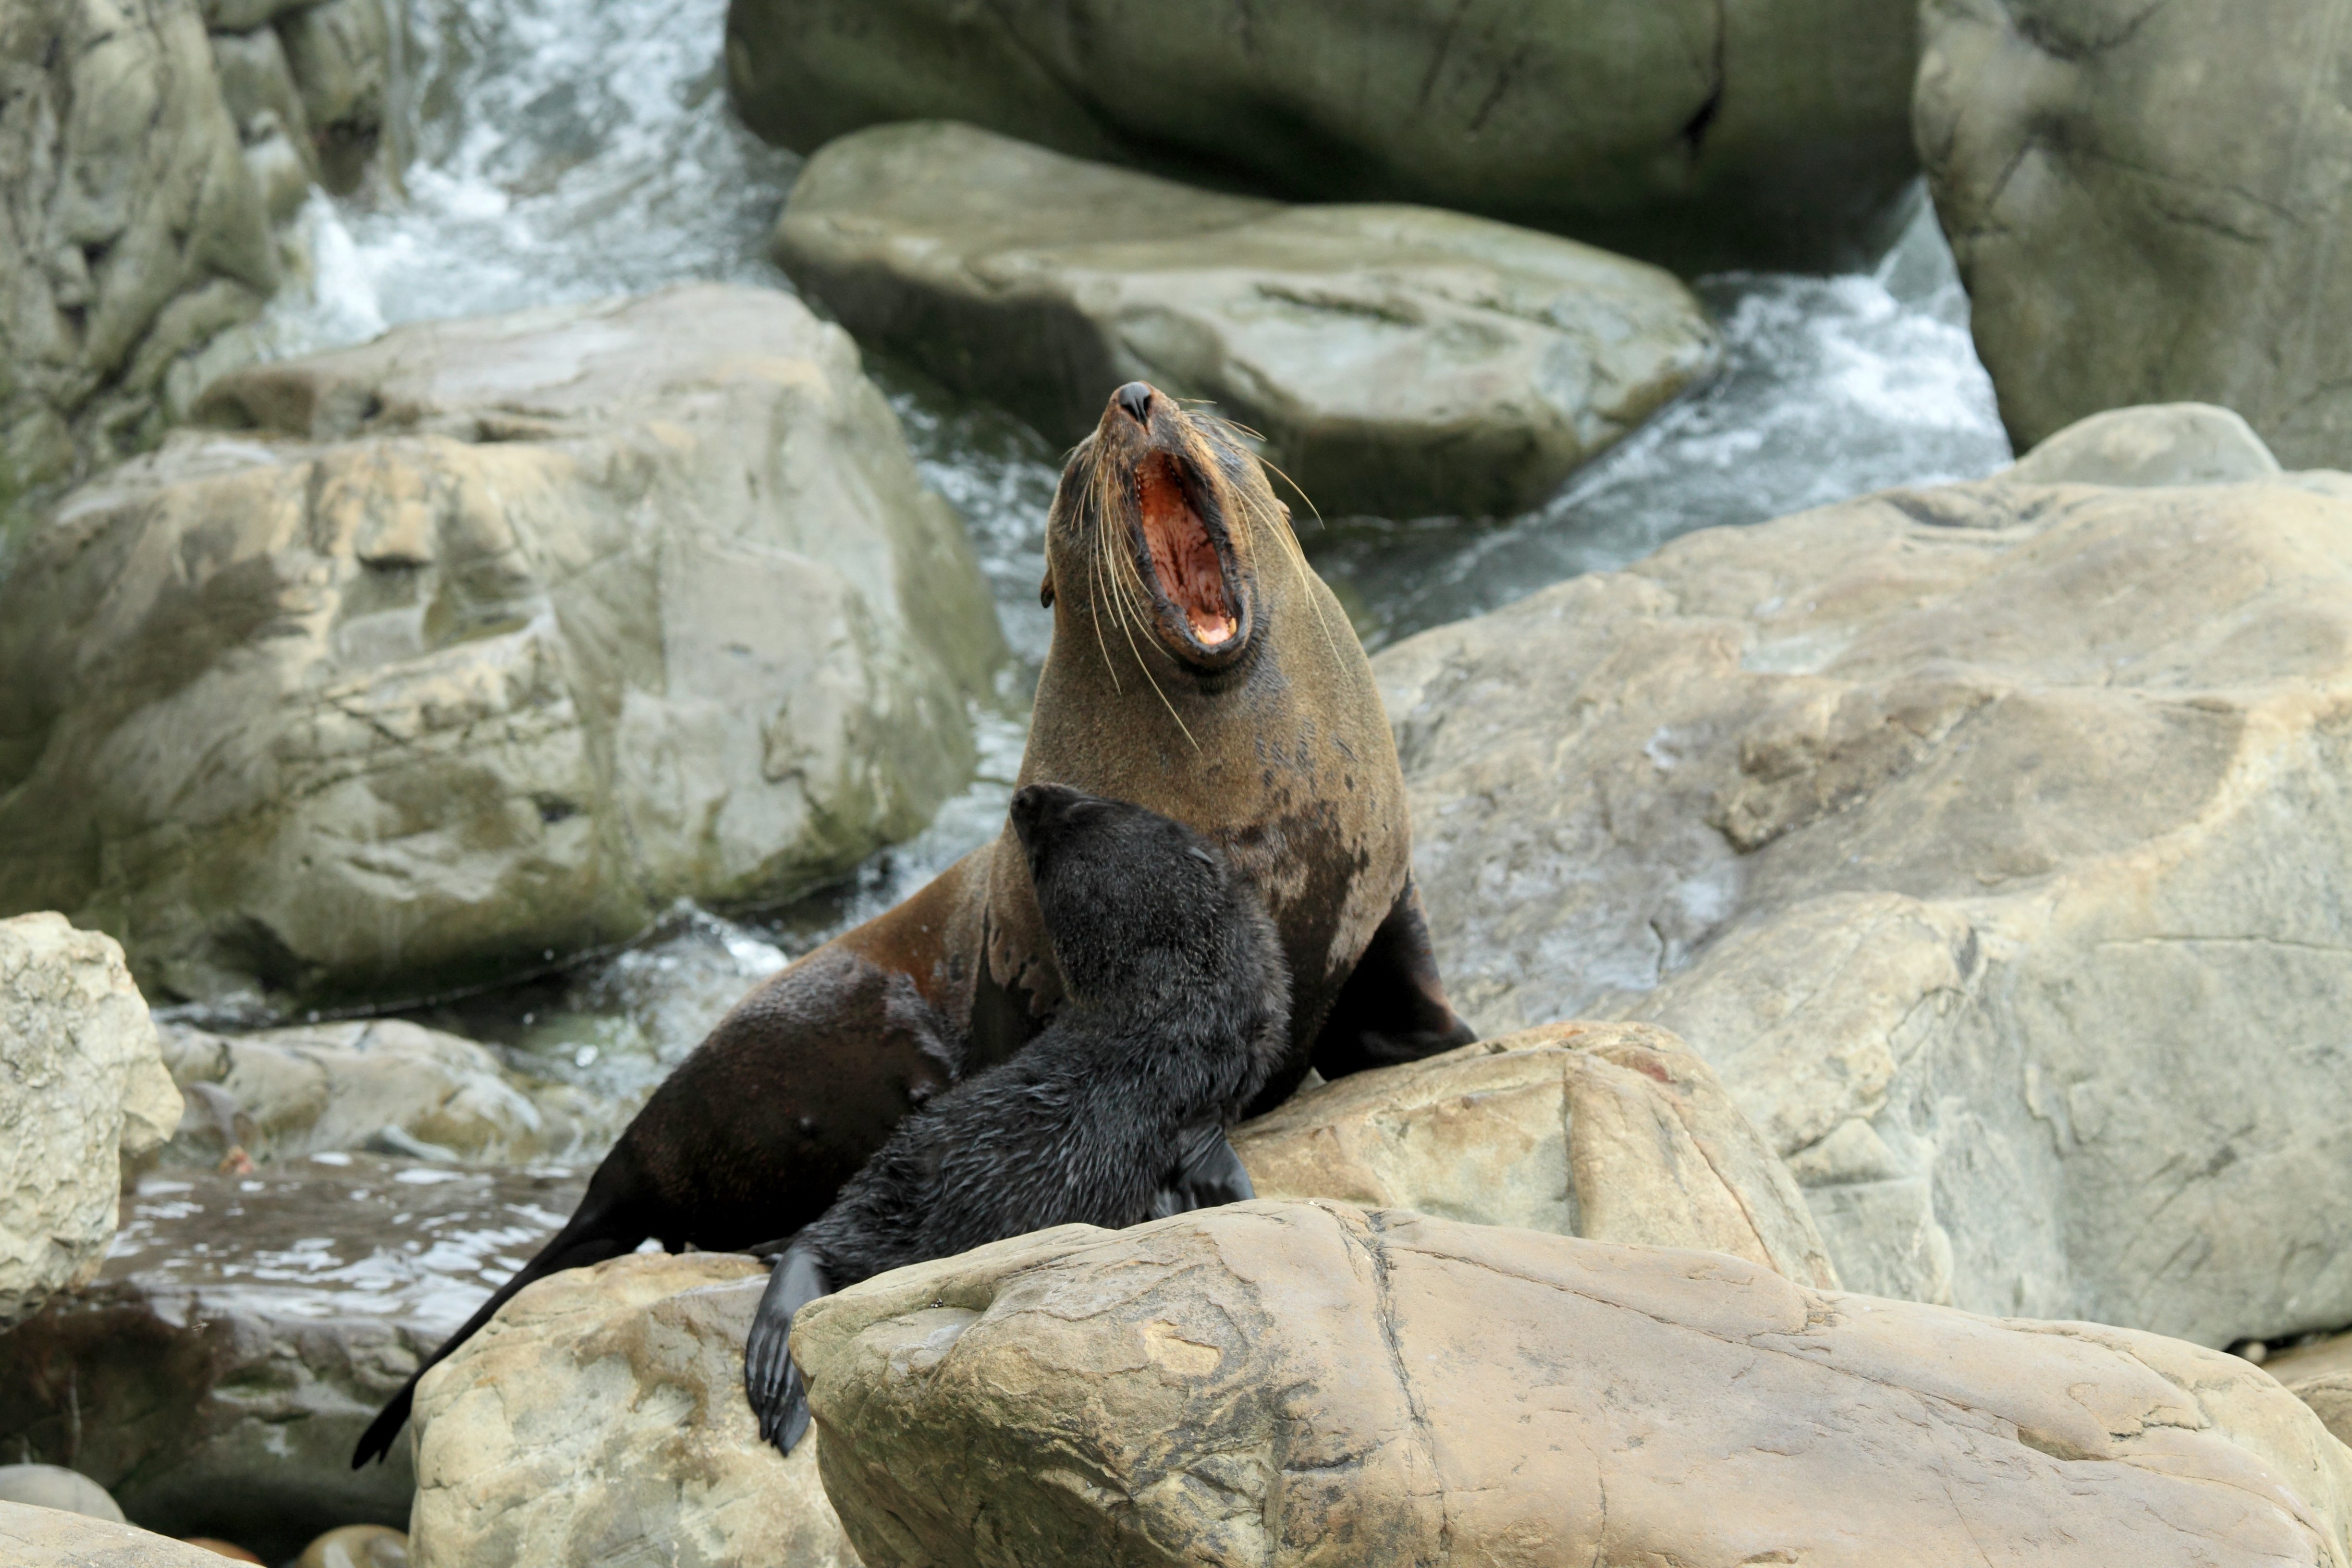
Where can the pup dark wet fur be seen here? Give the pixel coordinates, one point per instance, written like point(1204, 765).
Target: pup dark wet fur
point(1178, 1009)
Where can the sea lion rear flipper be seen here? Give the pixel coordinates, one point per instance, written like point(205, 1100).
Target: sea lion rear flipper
point(1393, 1007)
point(771, 1382)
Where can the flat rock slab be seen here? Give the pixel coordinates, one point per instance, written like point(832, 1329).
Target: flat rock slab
point(1614, 1132)
point(1274, 1384)
point(601, 1418)
point(1399, 361)
point(246, 1329)
point(431, 660)
point(46, 1538)
point(1989, 841)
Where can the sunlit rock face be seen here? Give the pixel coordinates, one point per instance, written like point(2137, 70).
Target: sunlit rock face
point(82, 1086)
point(2116, 250)
point(1398, 361)
point(247, 1327)
point(438, 657)
point(1685, 130)
point(600, 1418)
point(1989, 840)
point(1297, 1384)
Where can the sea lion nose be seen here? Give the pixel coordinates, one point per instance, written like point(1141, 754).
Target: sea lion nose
point(1136, 398)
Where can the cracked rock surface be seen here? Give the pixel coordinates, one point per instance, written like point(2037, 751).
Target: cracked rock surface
point(601, 1418)
point(82, 1086)
point(1292, 1383)
point(1614, 1132)
point(49, 1537)
point(1988, 840)
point(1399, 361)
point(1696, 132)
point(483, 643)
point(2115, 250)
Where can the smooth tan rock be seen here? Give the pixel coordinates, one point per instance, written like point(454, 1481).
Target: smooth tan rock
point(133, 238)
point(1294, 1384)
point(82, 1085)
point(1989, 841)
point(384, 1084)
point(47, 1538)
point(600, 1418)
point(1399, 361)
point(485, 642)
point(2159, 444)
point(1614, 1132)
point(2117, 249)
point(2320, 1374)
point(1772, 133)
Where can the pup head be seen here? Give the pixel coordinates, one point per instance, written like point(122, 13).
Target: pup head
point(1129, 897)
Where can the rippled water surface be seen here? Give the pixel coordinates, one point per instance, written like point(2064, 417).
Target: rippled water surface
point(568, 149)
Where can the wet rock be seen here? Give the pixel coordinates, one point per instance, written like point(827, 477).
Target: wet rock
point(82, 1086)
point(1706, 135)
point(1614, 1132)
point(357, 1546)
point(2118, 253)
point(1399, 361)
point(247, 1329)
point(1987, 841)
point(382, 1084)
point(2163, 443)
point(345, 56)
point(600, 1417)
point(257, 86)
point(133, 238)
point(486, 642)
point(1278, 1382)
point(54, 1485)
point(47, 1538)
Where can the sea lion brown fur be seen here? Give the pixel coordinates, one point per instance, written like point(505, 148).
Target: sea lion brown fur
point(1199, 667)
point(1177, 1009)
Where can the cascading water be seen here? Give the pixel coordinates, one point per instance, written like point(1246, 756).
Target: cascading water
point(569, 148)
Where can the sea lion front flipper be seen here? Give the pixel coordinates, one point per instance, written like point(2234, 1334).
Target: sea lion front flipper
point(1392, 1008)
point(771, 1381)
point(1210, 1174)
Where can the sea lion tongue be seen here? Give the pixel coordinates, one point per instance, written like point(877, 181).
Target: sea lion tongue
point(1182, 557)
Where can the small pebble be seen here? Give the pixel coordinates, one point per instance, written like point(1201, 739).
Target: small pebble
point(357, 1546)
point(2255, 1351)
point(219, 1548)
point(54, 1485)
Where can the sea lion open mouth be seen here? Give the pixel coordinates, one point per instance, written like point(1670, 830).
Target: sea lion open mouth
point(1187, 568)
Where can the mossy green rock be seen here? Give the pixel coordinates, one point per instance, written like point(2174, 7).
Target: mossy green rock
point(483, 642)
point(1690, 131)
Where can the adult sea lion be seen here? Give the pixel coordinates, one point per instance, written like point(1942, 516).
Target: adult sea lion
point(1178, 1009)
point(1198, 666)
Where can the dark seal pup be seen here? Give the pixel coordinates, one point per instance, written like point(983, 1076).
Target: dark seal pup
point(1176, 1008)
point(1199, 667)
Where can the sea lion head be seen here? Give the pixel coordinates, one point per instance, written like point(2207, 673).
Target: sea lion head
point(1137, 902)
point(1158, 531)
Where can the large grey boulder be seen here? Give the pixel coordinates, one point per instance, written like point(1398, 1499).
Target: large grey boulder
point(132, 236)
point(482, 642)
point(1989, 841)
point(1772, 133)
point(82, 1086)
point(2159, 444)
point(600, 1417)
point(1399, 361)
point(1613, 1131)
point(1292, 1384)
point(247, 1327)
point(2115, 247)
